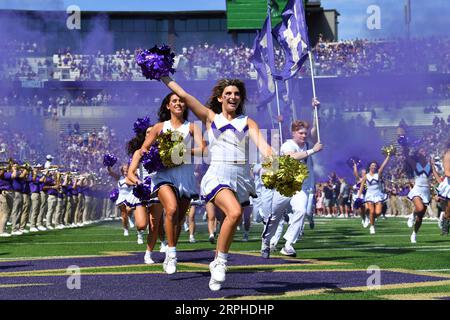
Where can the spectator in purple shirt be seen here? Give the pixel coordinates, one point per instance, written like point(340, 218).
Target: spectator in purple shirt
point(6, 200)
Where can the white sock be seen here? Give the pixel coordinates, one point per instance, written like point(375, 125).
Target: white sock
point(172, 252)
point(211, 235)
point(148, 253)
point(222, 256)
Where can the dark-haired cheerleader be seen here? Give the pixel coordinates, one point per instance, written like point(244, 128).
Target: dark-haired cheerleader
point(174, 186)
point(421, 168)
point(374, 197)
point(227, 182)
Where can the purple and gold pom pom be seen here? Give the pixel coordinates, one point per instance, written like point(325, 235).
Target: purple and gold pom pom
point(352, 161)
point(141, 124)
point(151, 160)
point(156, 62)
point(114, 194)
point(142, 191)
point(109, 160)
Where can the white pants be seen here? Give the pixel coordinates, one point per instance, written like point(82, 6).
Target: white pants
point(298, 205)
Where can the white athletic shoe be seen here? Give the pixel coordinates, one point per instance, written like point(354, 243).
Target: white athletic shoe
point(411, 219)
point(42, 228)
point(413, 237)
point(34, 229)
point(130, 222)
point(163, 247)
point(192, 239)
point(17, 233)
point(24, 231)
point(366, 222)
point(218, 269)
point(5, 235)
point(140, 238)
point(372, 230)
point(441, 220)
point(170, 265)
point(125, 233)
point(186, 227)
point(148, 258)
point(49, 227)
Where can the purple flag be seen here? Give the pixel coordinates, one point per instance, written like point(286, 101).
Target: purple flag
point(264, 62)
point(292, 34)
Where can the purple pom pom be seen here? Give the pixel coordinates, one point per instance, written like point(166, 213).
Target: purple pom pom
point(114, 195)
point(403, 141)
point(151, 160)
point(352, 160)
point(156, 62)
point(141, 124)
point(358, 203)
point(109, 160)
point(142, 191)
point(148, 180)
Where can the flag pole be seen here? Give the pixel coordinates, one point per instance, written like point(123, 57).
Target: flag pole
point(278, 109)
point(316, 117)
point(272, 65)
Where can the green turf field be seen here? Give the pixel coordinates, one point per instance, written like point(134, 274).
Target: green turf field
point(334, 244)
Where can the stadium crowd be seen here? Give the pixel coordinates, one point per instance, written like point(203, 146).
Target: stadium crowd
point(344, 58)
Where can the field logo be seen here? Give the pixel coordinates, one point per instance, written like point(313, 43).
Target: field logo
point(374, 280)
point(373, 21)
point(74, 280)
point(73, 21)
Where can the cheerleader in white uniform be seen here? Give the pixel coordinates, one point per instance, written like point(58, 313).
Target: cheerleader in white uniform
point(175, 186)
point(362, 209)
point(444, 188)
point(124, 191)
point(374, 197)
point(140, 209)
point(227, 182)
point(420, 194)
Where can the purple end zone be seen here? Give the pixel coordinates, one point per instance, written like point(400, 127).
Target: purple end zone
point(194, 285)
point(195, 256)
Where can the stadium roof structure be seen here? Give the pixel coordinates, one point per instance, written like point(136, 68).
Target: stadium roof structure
point(140, 6)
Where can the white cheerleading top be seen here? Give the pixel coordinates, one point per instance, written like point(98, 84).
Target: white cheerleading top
point(227, 139)
point(421, 175)
point(373, 183)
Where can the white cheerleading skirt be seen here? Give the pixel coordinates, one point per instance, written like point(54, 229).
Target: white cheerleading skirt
point(444, 189)
point(235, 177)
point(423, 192)
point(375, 197)
point(123, 194)
point(181, 178)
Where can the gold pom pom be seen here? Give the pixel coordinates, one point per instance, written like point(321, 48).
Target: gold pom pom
point(171, 148)
point(389, 150)
point(284, 174)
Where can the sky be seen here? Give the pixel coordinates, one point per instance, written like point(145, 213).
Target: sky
point(428, 17)
point(116, 5)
